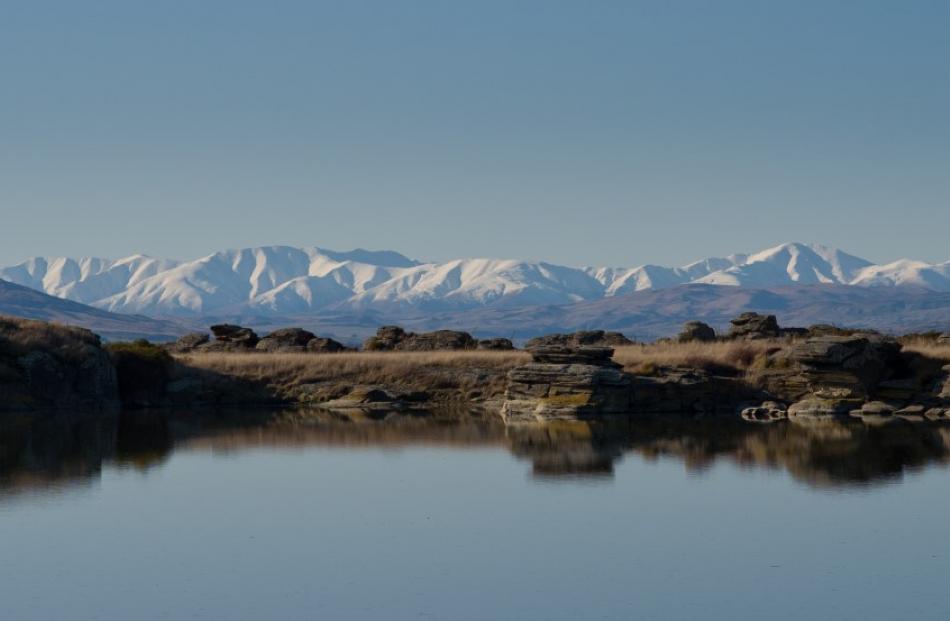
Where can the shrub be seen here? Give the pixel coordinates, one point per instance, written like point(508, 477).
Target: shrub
point(142, 369)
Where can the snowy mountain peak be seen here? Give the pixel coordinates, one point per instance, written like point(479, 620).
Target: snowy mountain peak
point(290, 280)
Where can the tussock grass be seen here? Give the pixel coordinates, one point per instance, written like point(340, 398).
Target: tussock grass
point(716, 357)
point(21, 336)
point(463, 371)
point(929, 349)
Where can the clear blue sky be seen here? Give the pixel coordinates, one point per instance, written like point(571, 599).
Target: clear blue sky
point(579, 132)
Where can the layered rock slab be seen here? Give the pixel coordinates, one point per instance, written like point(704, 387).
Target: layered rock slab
point(566, 383)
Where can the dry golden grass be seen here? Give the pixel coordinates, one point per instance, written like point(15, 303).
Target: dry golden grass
point(715, 356)
point(929, 349)
point(20, 336)
point(462, 371)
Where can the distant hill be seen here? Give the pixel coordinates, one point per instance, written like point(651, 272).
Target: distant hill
point(17, 301)
point(657, 313)
point(649, 314)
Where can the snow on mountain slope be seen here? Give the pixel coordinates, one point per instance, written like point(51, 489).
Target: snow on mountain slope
point(84, 280)
point(276, 280)
point(906, 272)
point(804, 264)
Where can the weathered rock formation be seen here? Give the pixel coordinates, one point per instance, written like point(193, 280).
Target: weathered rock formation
point(754, 326)
point(582, 338)
point(188, 343)
point(45, 366)
point(229, 337)
point(394, 338)
point(325, 345)
point(566, 383)
point(286, 339)
point(696, 331)
point(496, 344)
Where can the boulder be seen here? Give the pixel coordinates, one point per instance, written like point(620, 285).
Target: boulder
point(394, 338)
point(562, 383)
point(438, 340)
point(189, 342)
point(559, 354)
point(578, 339)
point(229, 333)
point(835, 367)
point(286, 339)
point(386, 339)
point(754, 326)
point(696, 331)
point(496, 344)
point(326, 346)
point(814, 407)
point(874, 409)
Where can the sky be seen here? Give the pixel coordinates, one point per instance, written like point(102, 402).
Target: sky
point(584, 133)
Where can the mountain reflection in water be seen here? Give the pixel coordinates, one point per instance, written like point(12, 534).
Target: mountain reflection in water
point(59, 451)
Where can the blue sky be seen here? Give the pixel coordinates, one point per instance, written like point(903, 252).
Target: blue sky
point(578, 132)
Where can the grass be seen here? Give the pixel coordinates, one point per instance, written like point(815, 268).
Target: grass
point(21, 336)
point(470, 373)
point(929, 349)
point(720, 357)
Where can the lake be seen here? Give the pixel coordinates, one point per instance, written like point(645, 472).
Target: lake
point(319, 515)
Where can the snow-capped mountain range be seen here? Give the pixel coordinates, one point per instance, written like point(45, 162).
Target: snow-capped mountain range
point(282, 280)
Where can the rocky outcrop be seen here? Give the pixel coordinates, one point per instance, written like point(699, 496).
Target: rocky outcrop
point(696, 331)
point(394, 338)
point(754, 326)
point(582, 338)
point(46, 366)
point(324, 345)
point(689, 391)
point(566, 383)
point(188, 343)
point(849, 367)
point(496, 344)
point(286, 340)
point(229, 337)
point(944, 339)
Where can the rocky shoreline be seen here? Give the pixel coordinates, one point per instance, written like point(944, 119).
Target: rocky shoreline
point(816, 373)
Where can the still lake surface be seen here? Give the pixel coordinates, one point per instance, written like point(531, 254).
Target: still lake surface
point(288, 515)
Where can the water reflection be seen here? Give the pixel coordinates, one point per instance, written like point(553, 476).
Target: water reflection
point(44, 452)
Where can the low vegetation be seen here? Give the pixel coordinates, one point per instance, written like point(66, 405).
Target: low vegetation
point(479, 374)
point(22, 336)
point(718, 357)
point(142, 369)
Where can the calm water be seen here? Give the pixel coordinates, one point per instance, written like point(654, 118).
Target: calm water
point(288, 516)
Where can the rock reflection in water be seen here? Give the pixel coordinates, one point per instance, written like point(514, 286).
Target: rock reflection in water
point(60, 451)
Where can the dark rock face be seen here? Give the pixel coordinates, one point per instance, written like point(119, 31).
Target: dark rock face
point(286, 339)
point(54, 367)
point(236, 335)
point(579, 339)
point(754, 326)
point(828, 376)
point(564, 384)
point(496, 344)
point(683, 390)
point(696, 331)
point(189, 342)
point(394, 338)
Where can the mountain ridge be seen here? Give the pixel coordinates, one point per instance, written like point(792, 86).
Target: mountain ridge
point(285, 280)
